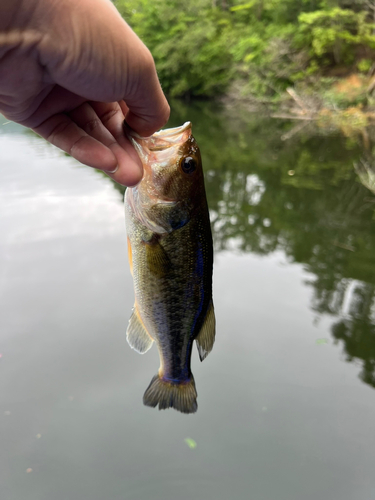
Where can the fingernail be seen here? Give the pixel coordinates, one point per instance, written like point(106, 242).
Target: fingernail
point(112, 171)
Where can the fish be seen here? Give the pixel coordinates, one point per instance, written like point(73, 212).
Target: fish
point(171, 260)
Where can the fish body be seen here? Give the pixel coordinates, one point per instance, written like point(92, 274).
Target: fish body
point(171, 258)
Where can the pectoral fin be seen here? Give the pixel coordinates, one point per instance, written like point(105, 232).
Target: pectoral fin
point(157, 259)
point(206, 336)
point(137, 335)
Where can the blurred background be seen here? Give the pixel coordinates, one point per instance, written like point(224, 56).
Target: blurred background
point(286, 400)
point(255, 51)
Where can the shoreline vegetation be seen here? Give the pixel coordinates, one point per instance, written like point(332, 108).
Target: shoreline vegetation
point(312, 61)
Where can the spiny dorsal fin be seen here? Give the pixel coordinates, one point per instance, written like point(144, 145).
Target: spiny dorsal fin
point(137, 335)
point(206, 337)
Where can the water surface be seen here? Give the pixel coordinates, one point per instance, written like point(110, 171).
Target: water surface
point(286, 398)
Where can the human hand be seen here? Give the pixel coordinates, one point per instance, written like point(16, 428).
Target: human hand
point(72, 71)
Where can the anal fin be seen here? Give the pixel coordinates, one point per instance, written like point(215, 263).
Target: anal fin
point(136, 334)
point(206, 337)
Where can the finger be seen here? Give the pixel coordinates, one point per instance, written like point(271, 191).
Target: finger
point(124, 108)
point(129, 74)
point(112, 118)
point(125, 111)
point(86, 118)
point(104, 122)
point(148, 108)
point(57, 101)
point(62, 132)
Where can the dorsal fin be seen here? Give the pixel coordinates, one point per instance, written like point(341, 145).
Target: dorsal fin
point(206, 337)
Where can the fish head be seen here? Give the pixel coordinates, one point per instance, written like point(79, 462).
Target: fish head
point(172, 181)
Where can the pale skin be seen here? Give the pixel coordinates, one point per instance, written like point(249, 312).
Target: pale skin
point(72, 71)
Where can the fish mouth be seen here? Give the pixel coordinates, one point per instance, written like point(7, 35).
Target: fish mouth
point(159, 153)
point(171, 133)
point(161, 140)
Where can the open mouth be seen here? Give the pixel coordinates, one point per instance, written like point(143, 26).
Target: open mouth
point(170, 132)
point(163, 139)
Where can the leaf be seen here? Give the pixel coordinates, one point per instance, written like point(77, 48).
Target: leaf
point(248, 5)
point(191, 443)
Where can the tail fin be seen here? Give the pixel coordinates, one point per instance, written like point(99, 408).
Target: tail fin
point(181, 397)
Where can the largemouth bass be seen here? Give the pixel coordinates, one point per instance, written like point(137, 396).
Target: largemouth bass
point(171, 256)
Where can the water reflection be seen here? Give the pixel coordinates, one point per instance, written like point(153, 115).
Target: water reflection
point(357, 330)
point(306, 194)
point(281, 413)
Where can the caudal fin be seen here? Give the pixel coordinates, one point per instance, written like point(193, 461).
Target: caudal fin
point(181, 397)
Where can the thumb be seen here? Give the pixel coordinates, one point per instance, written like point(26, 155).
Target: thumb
point(104, 61)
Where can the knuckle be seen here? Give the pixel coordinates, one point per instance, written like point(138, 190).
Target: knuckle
point(165, 114)
point(148, 60)
point(59, 129)
point(162, 116)
point(146, 66)
point(92, 125)
point(108, 115)
point(75, 145)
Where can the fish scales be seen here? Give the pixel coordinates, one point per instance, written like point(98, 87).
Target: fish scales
point(170, 253)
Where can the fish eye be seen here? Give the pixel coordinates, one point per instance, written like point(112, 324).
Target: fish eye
point(188, 165)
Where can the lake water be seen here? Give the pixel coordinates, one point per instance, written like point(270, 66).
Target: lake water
point(287, 396)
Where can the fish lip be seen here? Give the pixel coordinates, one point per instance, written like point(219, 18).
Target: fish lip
point(163, 140)
point(169, 132)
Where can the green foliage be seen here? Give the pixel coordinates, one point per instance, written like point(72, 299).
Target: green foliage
point(364, 65)
point(321, 216)
point(189, 41)
point(346, 92)
point(332, 36)
point(203, 47)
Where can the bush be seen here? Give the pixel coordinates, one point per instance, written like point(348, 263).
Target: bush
point(189, 42)
point(333, 36)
